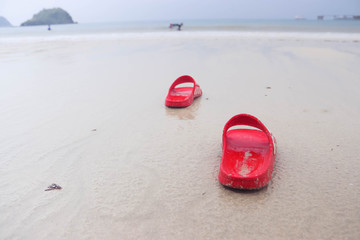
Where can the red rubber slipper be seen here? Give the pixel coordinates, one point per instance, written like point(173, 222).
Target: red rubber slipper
point(248, 154)
point(182, 96)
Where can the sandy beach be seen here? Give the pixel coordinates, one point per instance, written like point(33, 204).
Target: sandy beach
point(89, 116)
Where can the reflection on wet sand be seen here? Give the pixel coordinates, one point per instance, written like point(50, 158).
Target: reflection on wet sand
point(187, 113)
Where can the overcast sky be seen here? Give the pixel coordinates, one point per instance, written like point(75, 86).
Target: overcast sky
point(18, 11)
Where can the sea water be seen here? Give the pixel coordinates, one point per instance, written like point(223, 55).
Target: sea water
point(290, 29)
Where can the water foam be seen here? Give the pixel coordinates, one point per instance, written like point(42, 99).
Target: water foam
point(185, 35)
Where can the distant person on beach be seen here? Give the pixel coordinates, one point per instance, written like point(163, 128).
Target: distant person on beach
point(176, 25)
point(49, 28)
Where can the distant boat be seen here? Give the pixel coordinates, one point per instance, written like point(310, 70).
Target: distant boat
point(299, 18)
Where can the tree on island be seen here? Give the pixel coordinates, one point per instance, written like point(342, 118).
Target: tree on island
point(4, 22)
point(49, 17)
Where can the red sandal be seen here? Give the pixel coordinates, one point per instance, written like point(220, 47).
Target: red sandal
point(182, 96)
point(248, 154)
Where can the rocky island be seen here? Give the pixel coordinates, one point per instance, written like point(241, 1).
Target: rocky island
point(4, 22)
point(49, 17)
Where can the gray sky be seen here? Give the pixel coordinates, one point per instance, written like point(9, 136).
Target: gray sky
point(18, 11)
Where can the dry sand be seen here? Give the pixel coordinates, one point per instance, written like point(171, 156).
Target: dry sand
point(90, 117)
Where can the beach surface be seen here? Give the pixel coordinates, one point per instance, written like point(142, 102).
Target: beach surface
point(89, 115)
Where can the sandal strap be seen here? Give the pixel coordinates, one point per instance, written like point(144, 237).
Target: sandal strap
point(183, 79)
point(249, 120)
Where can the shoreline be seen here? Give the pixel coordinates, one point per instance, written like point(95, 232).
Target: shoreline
point(184, 35)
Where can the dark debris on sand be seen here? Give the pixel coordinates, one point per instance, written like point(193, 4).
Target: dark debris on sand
point(53, 187)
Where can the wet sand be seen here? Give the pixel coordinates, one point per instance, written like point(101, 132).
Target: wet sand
point(90, 117)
